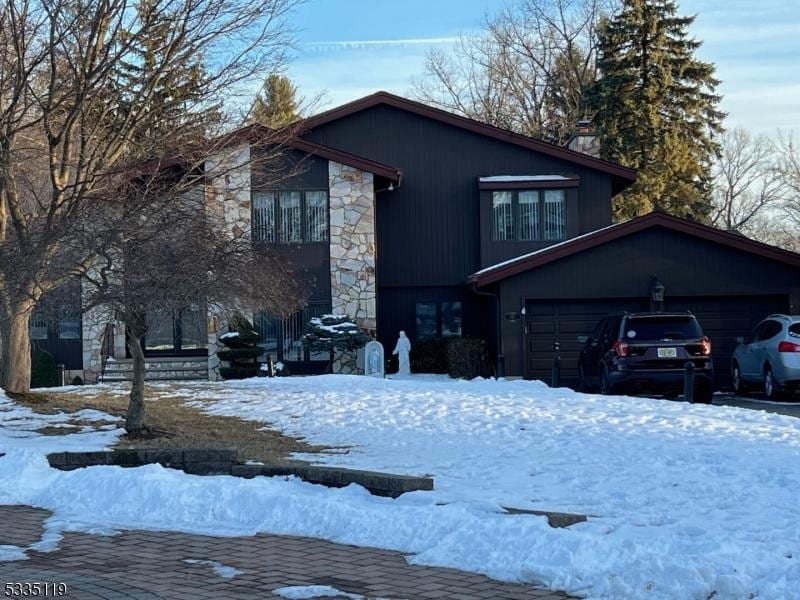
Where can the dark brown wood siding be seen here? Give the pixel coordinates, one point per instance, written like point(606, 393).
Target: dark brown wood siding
point(698, 274)
point(397, 311)
point(310, 262)
point(429, 231)
point(493, 251)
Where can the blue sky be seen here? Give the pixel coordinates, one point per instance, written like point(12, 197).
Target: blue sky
point(350, 48)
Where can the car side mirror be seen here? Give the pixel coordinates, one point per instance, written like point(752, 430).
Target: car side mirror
point(740, 340)
point(583, 339)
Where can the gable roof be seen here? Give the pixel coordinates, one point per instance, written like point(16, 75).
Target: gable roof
point(393, 174)
point(622, 176)
point(601, 236)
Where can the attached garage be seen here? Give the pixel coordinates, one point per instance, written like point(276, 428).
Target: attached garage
point(555, 295)
point(722, 318)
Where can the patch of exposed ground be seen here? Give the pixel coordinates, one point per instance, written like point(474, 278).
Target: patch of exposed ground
point(174, 424)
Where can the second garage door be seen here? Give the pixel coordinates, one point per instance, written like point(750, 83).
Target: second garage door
point(722, 319)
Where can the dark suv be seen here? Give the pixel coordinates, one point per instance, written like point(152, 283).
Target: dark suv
point(646, 352)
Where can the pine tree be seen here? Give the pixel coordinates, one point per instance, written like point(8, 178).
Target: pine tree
point(657, 109)
point(178, 105)
point(276, 105)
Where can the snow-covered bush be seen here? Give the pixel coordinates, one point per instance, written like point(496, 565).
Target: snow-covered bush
point(334, 333)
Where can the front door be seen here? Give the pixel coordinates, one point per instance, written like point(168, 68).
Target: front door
point(180, 332)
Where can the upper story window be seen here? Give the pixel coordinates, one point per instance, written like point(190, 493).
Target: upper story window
point(290, 216)
point(529, 215)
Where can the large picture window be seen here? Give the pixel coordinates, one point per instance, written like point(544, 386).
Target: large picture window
point(438, 319)
point(529, 215)
point(290, 216)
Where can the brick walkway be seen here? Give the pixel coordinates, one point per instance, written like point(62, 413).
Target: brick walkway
point(146, 565)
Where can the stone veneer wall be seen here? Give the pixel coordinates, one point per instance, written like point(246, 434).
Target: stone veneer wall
point(228, 197)
point(352, 249)
point(93, 325)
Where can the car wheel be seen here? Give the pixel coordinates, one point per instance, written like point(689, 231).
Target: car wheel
point(606, 387)
point(770, 386)
point(739, 387)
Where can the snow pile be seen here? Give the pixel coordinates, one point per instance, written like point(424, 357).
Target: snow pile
point(691, 501)
point(680, 492)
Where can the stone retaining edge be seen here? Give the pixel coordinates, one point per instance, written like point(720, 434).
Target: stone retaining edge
point(206, 461)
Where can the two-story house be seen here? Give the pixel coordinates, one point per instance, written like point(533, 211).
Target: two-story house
point(410, 218)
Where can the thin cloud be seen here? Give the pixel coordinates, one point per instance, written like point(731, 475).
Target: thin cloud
point(360, 44)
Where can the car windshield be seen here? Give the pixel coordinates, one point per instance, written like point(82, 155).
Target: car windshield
point(794, 330)
point(662, 328)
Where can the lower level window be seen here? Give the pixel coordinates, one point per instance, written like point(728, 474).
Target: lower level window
point(438, 319)
point(69, 327)
point(38, 327)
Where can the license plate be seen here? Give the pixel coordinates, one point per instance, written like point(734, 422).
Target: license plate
point(667, 353)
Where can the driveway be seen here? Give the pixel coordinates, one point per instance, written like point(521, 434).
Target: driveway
point(151, 565)
point(756, 402)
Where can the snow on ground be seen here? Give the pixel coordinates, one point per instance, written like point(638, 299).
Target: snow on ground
point(690, 501)
point(303, 592)
point(223, 571)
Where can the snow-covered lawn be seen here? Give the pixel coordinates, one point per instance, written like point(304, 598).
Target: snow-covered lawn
point(688, 501)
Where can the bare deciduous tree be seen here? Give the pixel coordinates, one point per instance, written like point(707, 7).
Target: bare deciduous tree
point(527, 71)
point(82, 97)
point(789, 171)
point(747, 183)
point(169, 252)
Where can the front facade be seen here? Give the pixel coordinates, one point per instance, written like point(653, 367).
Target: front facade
point(408, 218)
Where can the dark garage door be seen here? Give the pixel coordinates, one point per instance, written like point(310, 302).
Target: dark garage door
point(722, 319)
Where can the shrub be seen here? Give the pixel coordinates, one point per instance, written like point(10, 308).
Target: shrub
point(466, 358)
point(236, 372)
point(240, 354)
point(334, 333)
point(241, 351)
point(429, 356)
point(44, 372)
point(241, 333)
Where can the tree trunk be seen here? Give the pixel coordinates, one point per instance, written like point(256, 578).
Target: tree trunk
point(15, 348)
point(135, 422)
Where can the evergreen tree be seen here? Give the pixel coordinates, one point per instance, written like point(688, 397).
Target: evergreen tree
point(276, 105)
point(657, 109)
point(182, 110)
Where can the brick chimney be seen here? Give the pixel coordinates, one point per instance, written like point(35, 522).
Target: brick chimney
point(585, 140)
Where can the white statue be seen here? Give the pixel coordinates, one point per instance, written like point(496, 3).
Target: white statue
point(373, 361)
point(402, 350)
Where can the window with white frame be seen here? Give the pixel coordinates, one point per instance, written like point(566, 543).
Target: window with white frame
point(529, 215)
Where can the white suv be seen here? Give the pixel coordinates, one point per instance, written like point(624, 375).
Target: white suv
point(769, 358)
